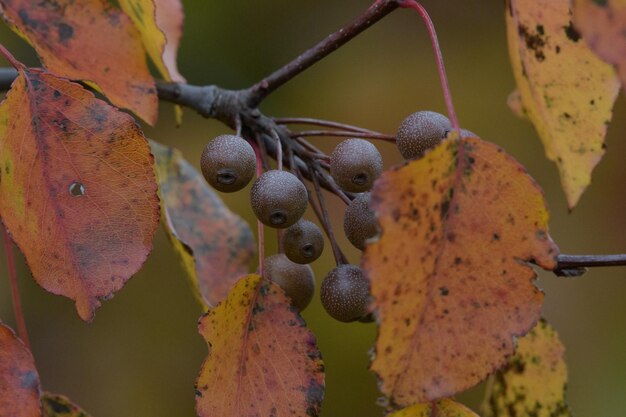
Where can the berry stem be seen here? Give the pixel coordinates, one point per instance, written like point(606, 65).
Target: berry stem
point(279, 150)
point(433, 409)
point(339, 256)
point(412, 4)
point(339, 133)
point(260, 231)
point(378, 10)
point(15, 292)
point(318, 122)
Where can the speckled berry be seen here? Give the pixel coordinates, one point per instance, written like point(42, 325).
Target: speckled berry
point(228, 163)
point(420, 132)
point(355, 164)
point(303, 242)
point(359, 221)
point(345, 293)
point(295, 279)
point(278, 198)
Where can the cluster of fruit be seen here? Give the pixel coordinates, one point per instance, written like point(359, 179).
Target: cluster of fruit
point(279, 199)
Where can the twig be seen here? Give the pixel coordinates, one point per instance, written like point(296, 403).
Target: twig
point(319, 122)
point(583, 261)
point(373, 14)
point(340, 133)
point(15, 292)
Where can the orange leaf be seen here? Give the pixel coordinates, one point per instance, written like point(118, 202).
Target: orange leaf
point(262, 360)
point(566, 91)
point(60, 406)
point(169, 18)
point(89, 40)
point(19, 381)
point(216, 245)
point(77, 191)
point(448, 273)
point(603, 25)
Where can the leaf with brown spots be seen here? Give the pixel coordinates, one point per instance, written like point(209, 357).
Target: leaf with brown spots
point(566, 91)
point(443, 408)
point(160, 23)
point(215, 245)
point(92, 41)
point(19, 381)
point(60, 406)
point(262, 361)
point(448, 274)
point(533, 382)
point(77, 189)
point(603, 26)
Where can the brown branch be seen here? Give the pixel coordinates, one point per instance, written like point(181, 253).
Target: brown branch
point(584, 261)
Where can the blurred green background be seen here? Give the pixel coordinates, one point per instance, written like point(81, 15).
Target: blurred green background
point(142, 353)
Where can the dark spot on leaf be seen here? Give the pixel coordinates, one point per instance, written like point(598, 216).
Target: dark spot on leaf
point(444, 291)
point(314, 397)
point(29, 380)
point(58, 407)
point(534, 42)
point(76, 189)
point(571, 32)
point(65, 32)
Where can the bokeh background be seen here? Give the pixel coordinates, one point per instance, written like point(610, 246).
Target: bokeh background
point(142, 353)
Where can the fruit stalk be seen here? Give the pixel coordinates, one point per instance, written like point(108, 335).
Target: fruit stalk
point(15, 292)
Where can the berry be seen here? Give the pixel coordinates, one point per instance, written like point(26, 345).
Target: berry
point(420, 132)
point(228, 163)
point(355, 164)
point(278, 198)
point(359, 221)
point(296, 280)
point(303, 242)
point(345, 293)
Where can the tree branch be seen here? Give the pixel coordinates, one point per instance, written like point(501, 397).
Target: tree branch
point(334, 41)
point(583, 261)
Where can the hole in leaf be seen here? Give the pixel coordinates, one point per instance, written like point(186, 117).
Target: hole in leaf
point(77, 189)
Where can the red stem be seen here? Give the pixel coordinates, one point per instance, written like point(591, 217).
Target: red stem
point(9, 57)
point(412, 4)
point(15, 292)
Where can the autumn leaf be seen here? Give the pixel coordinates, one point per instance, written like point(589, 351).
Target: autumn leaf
point(160, 23)
point(448, 274)
point(77, 189)
point(19, 381)
point(60, 406)
point(215, 244)
point(566, 91)
point(444, 408)
point(89, 40)
point(603, 24)
point(262, 361)
point(534, 380)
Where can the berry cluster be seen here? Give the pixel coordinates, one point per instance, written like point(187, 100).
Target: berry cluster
point(279, 199)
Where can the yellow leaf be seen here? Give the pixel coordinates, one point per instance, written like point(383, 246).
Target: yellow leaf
point(448, 275)
point(534, 381)
point(262, 360)
point(444, 408)
point(60, 406)
point(566, 91)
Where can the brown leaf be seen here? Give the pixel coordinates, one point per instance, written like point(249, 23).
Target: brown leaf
point(19, 381)
point(215, 245)
point(89, 40)
point(262, 361)
point(77, 189)
point(566, 91)
point(448, 274)
point(533, 382)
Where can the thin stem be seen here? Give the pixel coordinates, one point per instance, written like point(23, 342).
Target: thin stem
point(279, 150)
point(260, 231)
point(339, 133)
point(9, 57)
point(319, 122)
point(15, 292)
point(412, 4)
point(334, 41)
point(433, 409)
point(583, 261)
point(339, 256)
